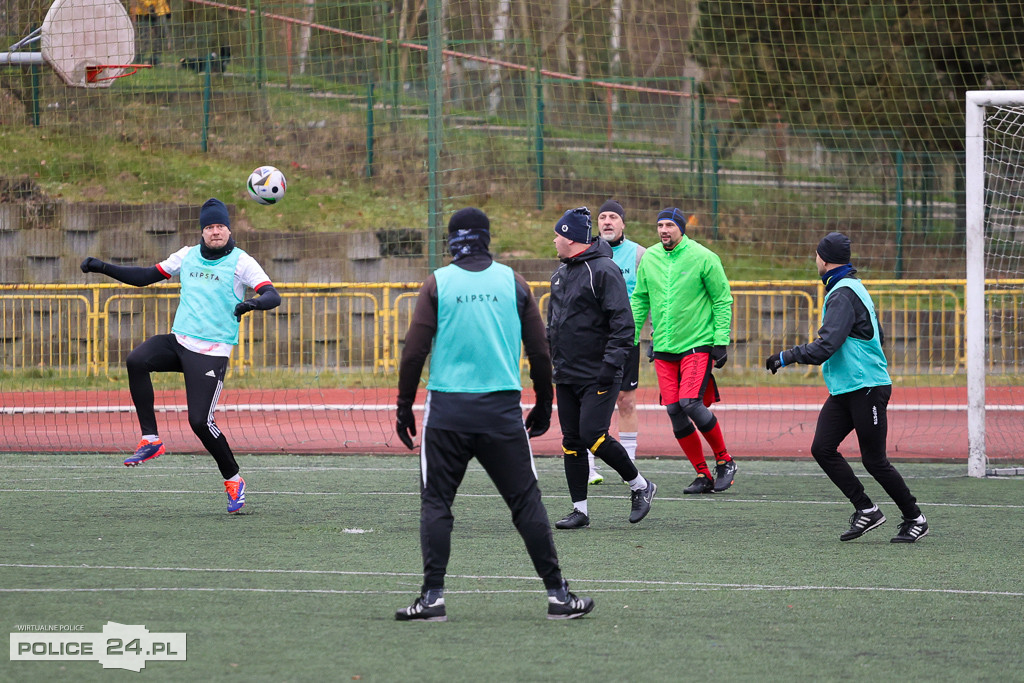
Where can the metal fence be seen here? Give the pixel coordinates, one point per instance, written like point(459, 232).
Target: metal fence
point(89, 330)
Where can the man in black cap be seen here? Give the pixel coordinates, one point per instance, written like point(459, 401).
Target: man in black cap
point(611, 224)
point(214, 276)
point(849, 350)
point(590, 331)
point(473, 317)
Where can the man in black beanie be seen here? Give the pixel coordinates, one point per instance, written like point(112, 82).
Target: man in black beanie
point(849, 351)
point(611, 225)
point(590, 331)
point(214, 276)
point(472, 318)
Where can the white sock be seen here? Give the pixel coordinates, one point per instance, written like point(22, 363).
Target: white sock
point(920, 519)
point(151, 437)
point(628, 441)
point(873, 508)
point(235, 478)
point(638, 484)
point(590, 459)
point(580, 505)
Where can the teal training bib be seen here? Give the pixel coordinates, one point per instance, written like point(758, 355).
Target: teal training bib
point(207, 306)
point(479, 334)
point(858, 363)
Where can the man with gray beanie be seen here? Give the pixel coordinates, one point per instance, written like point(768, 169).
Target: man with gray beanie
point(849, 350)
point(683, 286)
point(472, 318)
point(214, 276)
point(611, 224)
point(590, 331)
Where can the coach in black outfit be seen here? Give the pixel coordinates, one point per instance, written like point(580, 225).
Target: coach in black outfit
point(849, 351)
point(590, 331)
point(473, 317)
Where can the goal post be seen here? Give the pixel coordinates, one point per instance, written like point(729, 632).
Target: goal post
point(992, 194)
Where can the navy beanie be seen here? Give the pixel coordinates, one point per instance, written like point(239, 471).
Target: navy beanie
point(676, 216)
point(213, 212)
point(575, 225)
point(834, 248)
point(612, 205)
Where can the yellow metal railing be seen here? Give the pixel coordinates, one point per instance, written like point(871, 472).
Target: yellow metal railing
point(90, 329)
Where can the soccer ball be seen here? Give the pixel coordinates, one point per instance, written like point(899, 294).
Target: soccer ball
point(266, 185)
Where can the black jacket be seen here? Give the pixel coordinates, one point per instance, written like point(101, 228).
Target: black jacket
point(845, 316)
point(590, 322)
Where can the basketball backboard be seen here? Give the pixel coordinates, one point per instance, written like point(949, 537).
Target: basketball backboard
point(89, 43)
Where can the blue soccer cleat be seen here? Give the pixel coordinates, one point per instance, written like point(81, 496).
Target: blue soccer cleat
point(236, 494)
point(146, 450)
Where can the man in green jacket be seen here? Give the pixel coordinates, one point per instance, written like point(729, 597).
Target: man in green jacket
point(684, 288)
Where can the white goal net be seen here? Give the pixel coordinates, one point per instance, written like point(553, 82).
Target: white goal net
point(995, 280)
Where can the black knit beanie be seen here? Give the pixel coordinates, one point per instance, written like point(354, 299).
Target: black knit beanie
point(612, 205)
point(834, 248)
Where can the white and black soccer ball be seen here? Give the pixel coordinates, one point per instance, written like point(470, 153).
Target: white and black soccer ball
point(266, 185)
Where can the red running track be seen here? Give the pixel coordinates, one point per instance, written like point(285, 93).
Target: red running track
point(760, 422)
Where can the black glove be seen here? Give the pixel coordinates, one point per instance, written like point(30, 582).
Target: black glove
point(405, 425)
point(606, 377)
point(538, 420)
point(720, 354)
point(773, 362)
point(650, 352)
point(92, 265)
point(244, 307)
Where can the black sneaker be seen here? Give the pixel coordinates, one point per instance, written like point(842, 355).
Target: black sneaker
point(700, 485)
point(571, 608)
point(725, 472)
point(641, 501)
point(421, 611)
point(910, 531)
point(861, 523)
point(574, 520)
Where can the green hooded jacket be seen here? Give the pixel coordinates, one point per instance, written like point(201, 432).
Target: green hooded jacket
point(687, 294)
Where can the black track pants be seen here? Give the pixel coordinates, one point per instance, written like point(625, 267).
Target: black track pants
point(508, 461)
point(204, 379)
point(863, 411)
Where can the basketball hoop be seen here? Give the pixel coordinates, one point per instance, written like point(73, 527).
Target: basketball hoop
point(92, 73)
point(81, 39)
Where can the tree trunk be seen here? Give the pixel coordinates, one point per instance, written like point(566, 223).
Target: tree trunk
point(499, 32)
point(304, 34)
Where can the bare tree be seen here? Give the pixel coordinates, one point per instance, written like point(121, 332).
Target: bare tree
point(499, 30)
point(308, 15)
point(615, 48)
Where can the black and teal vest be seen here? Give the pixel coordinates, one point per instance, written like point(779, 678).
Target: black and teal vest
point(208, 299)
point(624, 255)
point(858, 363)
point(479, 335)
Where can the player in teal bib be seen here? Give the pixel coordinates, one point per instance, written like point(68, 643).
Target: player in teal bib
point(214, 276)
point(611, 223)
point(473, 318)
point(849, 349)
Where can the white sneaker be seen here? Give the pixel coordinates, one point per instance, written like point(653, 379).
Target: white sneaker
point(595, 478)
